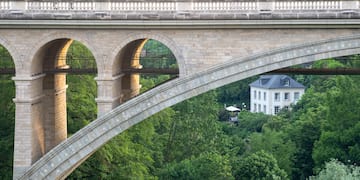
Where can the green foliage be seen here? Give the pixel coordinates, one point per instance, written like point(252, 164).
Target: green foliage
point(335, 170)
point(194, 128)
point(251, 122)
point(208, 165)
point(328, 63)
point(223, 115)
point(79, 56)
point(304, 132)
point(6, 60)
point(236, 93)
point(81, 94)
point(131, 155)
point(277, 144)
point(340, 131)
point(157, 56)
point(260, 165)
point(150, 81)
point(7, 117)
point(81, 105)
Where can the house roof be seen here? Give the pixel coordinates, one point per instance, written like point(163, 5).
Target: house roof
point(276, 82)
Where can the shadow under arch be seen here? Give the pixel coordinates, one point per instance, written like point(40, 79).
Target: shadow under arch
point(86, 141)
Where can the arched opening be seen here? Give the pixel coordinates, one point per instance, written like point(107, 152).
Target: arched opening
point(63, 71)
point(82, 88)
point(7, 113)
point(143, 61)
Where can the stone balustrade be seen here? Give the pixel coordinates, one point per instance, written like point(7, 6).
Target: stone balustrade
point(175, 5)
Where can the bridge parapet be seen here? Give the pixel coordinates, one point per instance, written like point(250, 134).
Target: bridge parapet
point(171, 9)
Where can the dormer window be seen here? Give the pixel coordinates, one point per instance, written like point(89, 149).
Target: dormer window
point(263, 81)
point(287, 82)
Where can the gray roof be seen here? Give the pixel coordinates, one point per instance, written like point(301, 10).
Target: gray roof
point(276, 82)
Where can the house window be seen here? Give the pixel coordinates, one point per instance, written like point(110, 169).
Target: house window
point(259, 107)
point(286, 107)
point(259, 95)
point(264, 109)
point(254, 94)
point(276, 109)
point(264, 96)
point(255, 107)
point(296, 96)
point(286, 96)
point(277, 96)
point(287, 82)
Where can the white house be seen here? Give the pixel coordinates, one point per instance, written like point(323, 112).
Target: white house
point(270, 93)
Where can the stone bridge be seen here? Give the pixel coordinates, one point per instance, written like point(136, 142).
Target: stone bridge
point(215, 43)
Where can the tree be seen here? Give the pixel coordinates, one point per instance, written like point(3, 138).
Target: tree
point(81, 94)
point(237, 92)
point(276, 143)
point(208, 165)
point(335, 170)
point(340, 131)
point(304, 130)
point(260, 165)
point(195, 128)
point(251, 122)
point(7, 117)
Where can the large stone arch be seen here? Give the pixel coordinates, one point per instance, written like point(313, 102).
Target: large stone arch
point(48, 38)
point(60, 161)
point(115, 87)
point(168, 42)
point(41, 107)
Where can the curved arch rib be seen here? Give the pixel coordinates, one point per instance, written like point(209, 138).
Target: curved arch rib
point(65, 157)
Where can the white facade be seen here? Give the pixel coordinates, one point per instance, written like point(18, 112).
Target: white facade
point(270, 100)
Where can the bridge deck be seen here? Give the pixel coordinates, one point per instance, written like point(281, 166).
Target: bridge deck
point(305, 71)
point(174, 10)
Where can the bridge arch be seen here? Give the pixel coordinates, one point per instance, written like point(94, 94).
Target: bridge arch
point(53, 36)
point(168, 42)
point(60, 161)
point(122, 85)
point(42, 102)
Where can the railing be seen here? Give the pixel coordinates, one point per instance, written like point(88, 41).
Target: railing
point(61, 6)
point(142, 6)
point(223, 6)
point(178, 6)
point(5, 5)
point(307, 5)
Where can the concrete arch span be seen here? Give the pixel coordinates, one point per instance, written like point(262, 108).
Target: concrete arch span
point(61, 160)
